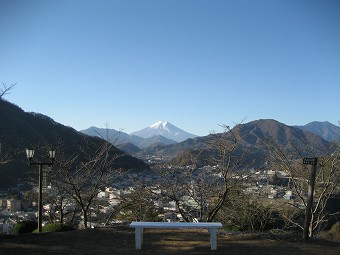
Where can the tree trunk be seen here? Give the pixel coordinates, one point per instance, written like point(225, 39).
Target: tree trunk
point(61, 216)
point(308, 226)
point(85, 217)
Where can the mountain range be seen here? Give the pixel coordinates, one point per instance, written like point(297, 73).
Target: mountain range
point(161, 132)
point(326, 130)
point(251, 138)
point(20, 130)
point(164, 134)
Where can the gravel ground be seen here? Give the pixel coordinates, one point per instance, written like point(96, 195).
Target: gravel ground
point(120, 241)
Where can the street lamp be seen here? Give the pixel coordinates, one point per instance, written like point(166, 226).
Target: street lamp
point(30, 154)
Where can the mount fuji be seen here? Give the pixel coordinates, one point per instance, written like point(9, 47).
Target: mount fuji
point(165, 129)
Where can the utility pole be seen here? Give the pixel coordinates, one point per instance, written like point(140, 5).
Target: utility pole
point(308, 225)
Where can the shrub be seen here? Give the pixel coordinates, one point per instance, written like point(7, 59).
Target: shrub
point(55, 227)
point(245, 213)
point(335, 228)
point(335, 232)
point(24, 227)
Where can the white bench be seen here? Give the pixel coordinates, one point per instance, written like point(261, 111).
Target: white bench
point(211, 226)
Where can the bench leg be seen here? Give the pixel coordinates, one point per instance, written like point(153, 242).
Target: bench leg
point(139, 238)
point(213, 238)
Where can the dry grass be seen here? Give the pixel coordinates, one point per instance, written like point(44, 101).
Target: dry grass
point(120, 241)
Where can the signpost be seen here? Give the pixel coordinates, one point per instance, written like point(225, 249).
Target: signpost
point(310, 161)
point(308, 226)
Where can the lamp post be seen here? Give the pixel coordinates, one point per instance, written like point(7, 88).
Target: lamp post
point(30, 154)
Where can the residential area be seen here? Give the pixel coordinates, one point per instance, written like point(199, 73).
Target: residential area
point(23, 204)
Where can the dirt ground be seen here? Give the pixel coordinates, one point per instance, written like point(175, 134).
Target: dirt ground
point(120, 241)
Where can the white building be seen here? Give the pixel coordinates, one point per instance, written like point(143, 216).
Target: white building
point(103, 194)
point(7, 227)
point(13, 205)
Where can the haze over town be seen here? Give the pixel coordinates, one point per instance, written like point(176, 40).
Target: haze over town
point(197, 64)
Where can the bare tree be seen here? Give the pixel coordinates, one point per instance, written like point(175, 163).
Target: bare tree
point(200, 192)
point(6, 89)
point(139, 205)
point(174, 184)
point(247, 212)
point(227, 162)
point(61, 202)
point(327, 182)
point(5, 157)
point(82, 177)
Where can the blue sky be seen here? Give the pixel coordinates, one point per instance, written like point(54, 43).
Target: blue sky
point(197, 64)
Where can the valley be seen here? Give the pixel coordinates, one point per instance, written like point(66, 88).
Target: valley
point(155, 177)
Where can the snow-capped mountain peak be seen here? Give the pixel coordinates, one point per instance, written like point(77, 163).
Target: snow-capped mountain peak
point(162, 124)
point(166, 129)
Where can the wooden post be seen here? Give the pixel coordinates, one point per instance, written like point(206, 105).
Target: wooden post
point(308, 225)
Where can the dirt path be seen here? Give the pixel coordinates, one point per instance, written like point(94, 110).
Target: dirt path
point(120, 241)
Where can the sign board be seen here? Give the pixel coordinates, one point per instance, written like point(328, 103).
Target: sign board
point(310, 161)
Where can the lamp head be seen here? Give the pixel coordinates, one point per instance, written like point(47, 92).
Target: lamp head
point(51, 153)
point(29, 154)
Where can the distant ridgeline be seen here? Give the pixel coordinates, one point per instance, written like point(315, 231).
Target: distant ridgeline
point(20, 130)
